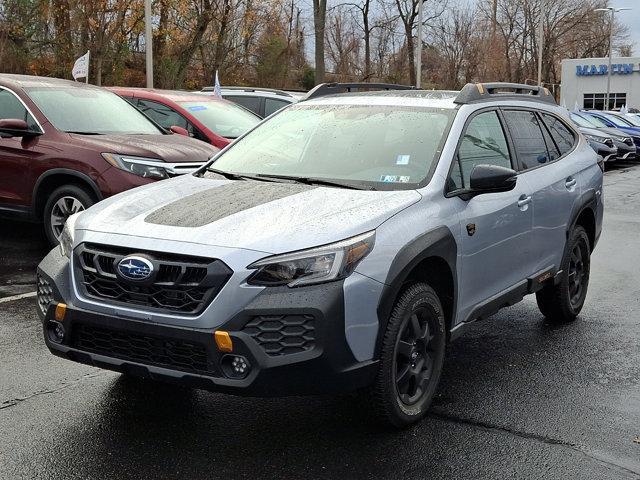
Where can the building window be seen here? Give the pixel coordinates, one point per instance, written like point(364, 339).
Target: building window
point(595, 101)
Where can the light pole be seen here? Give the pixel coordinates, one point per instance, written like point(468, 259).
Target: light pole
point(613, 12)
point(540, 42)
point(419, 49)
point(148, 42)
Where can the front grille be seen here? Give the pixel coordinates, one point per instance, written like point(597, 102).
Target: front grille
point(628, 141)
point(181, 284)
point(282, 334)
point(44, 293)
point(156, 351)
point(608, 142)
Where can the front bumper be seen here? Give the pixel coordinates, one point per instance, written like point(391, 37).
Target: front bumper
point(625, 152)
point(292, 339)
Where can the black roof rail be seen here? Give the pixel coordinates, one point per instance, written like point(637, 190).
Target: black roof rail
point(480, 92)
point(249, 89)
point(331, 88)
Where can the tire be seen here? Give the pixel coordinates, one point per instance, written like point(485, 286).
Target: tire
point(63, 202)
point(561, 303)
point(411, 357)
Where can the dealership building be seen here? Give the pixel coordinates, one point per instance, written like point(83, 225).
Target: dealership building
point(584, 82)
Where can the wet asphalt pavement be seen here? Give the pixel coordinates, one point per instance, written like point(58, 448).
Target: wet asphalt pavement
point(518, 399)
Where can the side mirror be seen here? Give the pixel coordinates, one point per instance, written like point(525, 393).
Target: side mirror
point(490, 179)
point(179, 130)
point(14, 127)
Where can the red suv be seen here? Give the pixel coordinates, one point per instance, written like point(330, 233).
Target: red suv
point(207, 118)
point(65, 145)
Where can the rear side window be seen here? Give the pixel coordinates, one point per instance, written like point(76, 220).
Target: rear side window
point(483, 143)
point(528, 139)
point(562, 136)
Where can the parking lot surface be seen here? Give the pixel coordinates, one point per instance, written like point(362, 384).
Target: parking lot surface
point(518, 399)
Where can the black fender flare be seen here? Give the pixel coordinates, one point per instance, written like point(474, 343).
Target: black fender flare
point(63, 171)
point(439, 243)
point(587, 200)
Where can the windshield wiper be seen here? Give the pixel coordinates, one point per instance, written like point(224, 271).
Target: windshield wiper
point(83, 133)
point(237, 176)
point(316, 181)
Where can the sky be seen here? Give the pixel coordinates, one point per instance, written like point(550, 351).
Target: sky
point(631, 19)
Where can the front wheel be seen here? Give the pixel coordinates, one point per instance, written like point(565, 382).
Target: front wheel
point(411, 357)
point(563, 302)
point(63, 202)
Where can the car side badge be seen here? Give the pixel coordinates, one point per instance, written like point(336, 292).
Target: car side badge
point(471, 229)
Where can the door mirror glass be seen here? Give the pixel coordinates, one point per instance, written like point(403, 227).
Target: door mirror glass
point(491, 179)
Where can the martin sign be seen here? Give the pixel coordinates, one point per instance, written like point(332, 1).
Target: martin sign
point(616, 69)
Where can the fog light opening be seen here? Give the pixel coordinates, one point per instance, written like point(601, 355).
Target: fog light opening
point(56, 332)
point(235, 366)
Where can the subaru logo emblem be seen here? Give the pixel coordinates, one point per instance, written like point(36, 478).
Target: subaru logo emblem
point(135, 268)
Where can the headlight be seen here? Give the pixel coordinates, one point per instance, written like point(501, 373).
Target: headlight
point(596, 138)
point(621, 139)
point(67, 236)
point(316, 265)
point(143, 167)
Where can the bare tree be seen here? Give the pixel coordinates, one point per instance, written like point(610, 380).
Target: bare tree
point(319, 22)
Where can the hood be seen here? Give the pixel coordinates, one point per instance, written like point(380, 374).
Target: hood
point(598, 132)
point(263, 216)
point(613, 131)
point(170, 148)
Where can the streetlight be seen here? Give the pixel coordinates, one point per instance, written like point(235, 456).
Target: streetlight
point(148, 42)
point(613, 12)
point(419, 49)
point(540, 42)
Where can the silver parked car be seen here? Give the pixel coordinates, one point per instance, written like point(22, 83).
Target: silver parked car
point(341, 244)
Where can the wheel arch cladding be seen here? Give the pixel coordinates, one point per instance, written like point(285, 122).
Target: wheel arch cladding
point(57, 177)
point(430, 258)
point(584, 215)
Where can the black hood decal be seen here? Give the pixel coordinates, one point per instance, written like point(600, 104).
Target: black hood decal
point(215, 203)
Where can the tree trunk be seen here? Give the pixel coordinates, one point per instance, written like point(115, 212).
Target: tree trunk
point(367, 40)
point(319, 20)
point(411, 52)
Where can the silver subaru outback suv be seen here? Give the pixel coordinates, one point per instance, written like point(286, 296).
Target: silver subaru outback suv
point(339, 245)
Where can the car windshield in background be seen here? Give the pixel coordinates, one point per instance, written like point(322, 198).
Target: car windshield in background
point(633, 120)
point(617, 121)
point(595, 121)
point(224, 118)
point(582, 121)
point(385, 147)
point(90, 111)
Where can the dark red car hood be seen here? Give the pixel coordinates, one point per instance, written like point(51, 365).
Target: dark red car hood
point(170, 148)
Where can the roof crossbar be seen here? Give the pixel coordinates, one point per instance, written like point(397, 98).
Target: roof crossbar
point(332, 88)
point(481, 92)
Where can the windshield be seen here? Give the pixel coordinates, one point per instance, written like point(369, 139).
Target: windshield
point(90, 111)
point(386, 147)
point(581, 121)
point(224, 118)
point(617, 121)
point(596, 121)
point(633, 120)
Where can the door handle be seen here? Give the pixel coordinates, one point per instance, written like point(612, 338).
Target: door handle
point(571, 182)
point(524, 200)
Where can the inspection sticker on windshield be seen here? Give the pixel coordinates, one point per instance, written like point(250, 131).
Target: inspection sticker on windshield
point(195, 108)
point(395, 178)
point(403, 159)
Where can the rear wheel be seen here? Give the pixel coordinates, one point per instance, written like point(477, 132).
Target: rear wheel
point(563, 302)
point(63, 202)
point(411, 357)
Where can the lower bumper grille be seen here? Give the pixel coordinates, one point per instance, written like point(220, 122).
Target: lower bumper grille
point(155, 351)
point(282, 334)
point(44, 293)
